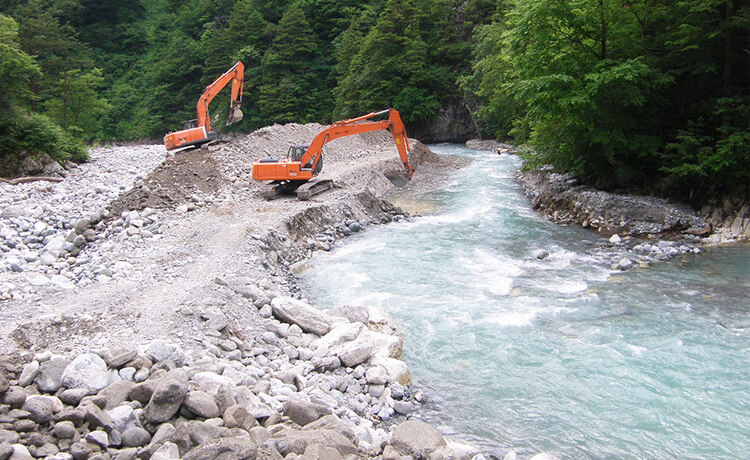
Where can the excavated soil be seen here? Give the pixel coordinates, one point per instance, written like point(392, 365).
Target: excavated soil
point(211, 224)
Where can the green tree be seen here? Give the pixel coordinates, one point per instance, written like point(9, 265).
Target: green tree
point(288, 92)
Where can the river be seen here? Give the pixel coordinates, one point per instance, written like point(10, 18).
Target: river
point(562, 355)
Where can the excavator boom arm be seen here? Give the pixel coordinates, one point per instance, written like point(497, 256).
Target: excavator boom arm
point(237, 76)
point(357, 126)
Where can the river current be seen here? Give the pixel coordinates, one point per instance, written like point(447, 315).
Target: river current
point(562, 355)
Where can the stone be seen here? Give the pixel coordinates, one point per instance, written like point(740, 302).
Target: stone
point(73, 396)
point(20, 452)
point(96, 417)
point(6, 450)
point(240, 447)
point(331, 422)
point(201, 404)
point(143, 391)
point(50, 375)
point(403, 407)
point(14, 397)
point(28, 374)
point(541, 254)
point(237, 416)
point(87, 371)
point(123, 417)
point(201, 432)
point(624, 264)
point(295, 311)
point(10, 437)
point(290, 440)
point(118, 357)
point(116, 393)
point(377, 375)
point(64, 430)
point(615, 239)
point(98, 438)
point(353, 313)
point(397, 369)
point(302, 412)
point(168, 396)
point(135, 437)
point(336, 337)
point(167, 451)
point(355, 352)
point(75, 416)
point(319, 452)
point(416, 438)
point(46, 451)
point(160, 350)
point(25, 426)
point(4, 385)
point(511, 455)
point(41, 408)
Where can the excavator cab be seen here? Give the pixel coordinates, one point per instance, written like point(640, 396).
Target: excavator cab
point(297, 151)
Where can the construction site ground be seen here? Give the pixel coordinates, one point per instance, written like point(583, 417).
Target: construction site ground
point(174, 230)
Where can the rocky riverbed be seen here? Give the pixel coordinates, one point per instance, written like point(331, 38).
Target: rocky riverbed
point(149, 310)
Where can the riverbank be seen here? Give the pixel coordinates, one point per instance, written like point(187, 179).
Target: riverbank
point(149, 311)
point(562, 199)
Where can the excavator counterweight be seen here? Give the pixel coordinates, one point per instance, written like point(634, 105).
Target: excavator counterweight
point(198, 131)
point(303, 163)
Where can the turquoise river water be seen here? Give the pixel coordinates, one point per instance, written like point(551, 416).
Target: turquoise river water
point(562, 355)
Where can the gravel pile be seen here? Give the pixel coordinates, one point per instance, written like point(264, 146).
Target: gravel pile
point(313, 385)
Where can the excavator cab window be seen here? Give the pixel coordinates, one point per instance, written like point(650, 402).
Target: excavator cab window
point(296, 152)
point(191, 124)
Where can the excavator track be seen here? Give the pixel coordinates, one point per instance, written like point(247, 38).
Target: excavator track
point(303, 189)
point(313, 187)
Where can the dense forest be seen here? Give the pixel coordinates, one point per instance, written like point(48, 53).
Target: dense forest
point(642, 94)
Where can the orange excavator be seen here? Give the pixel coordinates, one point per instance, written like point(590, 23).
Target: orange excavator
point(296, 172)
point(198, 131)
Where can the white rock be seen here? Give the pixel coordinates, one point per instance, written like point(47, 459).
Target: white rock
point(377, 375)
point(87, 371)
point(62, 282)
point(297, 312)
point(615, 239)
point(337, 336)
point(167, 451)
point(397, 369)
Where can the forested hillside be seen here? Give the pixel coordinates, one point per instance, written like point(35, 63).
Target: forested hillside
point(642, 93)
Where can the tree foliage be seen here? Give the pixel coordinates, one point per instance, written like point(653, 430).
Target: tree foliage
point(625, 93)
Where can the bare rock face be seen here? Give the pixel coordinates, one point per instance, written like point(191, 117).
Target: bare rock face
point(416, 438)
point(308, 318)
point(168, 396)
point(563, 200)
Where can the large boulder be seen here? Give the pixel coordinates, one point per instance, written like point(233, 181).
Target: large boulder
point(168, 396)
point(308, 318)
point(87, 371)
point(416, 438)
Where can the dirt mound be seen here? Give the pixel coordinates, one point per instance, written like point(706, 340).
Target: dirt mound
point(173, 182)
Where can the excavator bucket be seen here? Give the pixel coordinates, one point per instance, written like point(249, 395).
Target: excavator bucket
point(235, 114)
